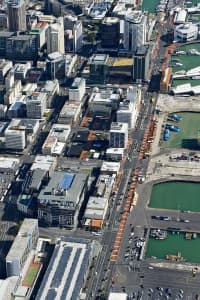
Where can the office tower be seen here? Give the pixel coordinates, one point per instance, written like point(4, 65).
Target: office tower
point(16, 15)
point(55, 37)
point(134, 30)
point(73, 33)
point(110, 33)
point(22, 47)
point(141, 64)
point(55, 65)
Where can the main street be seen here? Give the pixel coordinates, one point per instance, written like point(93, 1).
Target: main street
point(102, 281)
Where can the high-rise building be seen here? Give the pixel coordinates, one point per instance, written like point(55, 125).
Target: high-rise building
point(73, 33)
point(110, 33)
point(55, 37)
point(118, 135)
point(134, 30)
point(22, 47)
point(16, 15)
point(141, 64)
point(55, 65)
point(77, 89)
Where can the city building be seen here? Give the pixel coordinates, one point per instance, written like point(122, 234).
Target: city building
point(55, 65)
point(47, 163)
point(77, 89)
point(40, 30)
point(5, 66)
point(20, 70)
point(4, 36)
point(121, 68)
point(115, 154)
point(61, 131)
point(127, 113)
point(70, 62)
point(36, 105)
point(70, 113)
point(110, 168)
point(55, 141)
point(24, 243)
point(180, 17)
point(118, 135)
point(110, 32)
point(55, 37)
point(20, 132)
point(60, 201)
point(103, 101)
point(22, 47)
point(51, 88)
point(165, 80)
point(99, 69)
point(135, 26)
point(68, 269)
point(73, 33)
point(16, 15)
point(16, 110)
point(141, 64)
point(185, 33)
point(95, 213)
point(15, 139)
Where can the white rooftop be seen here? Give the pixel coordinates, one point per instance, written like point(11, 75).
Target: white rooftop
point(8, 162)
point(110, 166)
point(117, 296)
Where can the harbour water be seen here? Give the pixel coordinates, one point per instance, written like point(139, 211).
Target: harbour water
point(176, 195)
point(174, 243)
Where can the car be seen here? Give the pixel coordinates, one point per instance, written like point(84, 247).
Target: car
point(186, 221)
point(150, 268)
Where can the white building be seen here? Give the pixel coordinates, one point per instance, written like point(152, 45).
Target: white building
point(118, 135)
point(36, 105)
point(135, 25)
point(180, 17)
point(55, 37)
point(15, 139)
point(61, 131)
point(25, 241)
point(70, 60)
point(127, 113)
point(77, 90)
point(73, 33)
point(185, 33)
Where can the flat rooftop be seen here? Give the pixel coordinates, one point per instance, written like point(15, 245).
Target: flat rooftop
point(22, 239)
point(65, 274)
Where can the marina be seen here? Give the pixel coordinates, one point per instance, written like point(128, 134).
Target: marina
point(176, 195)
point(175, 248)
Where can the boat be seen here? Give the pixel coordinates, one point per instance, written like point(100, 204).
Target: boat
point(178, 64)
point(188, 236)
point(180, 52)
point(172, 128)
point(166, 135)
point(173, 257)
point(194, 235)
point(175, 117)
